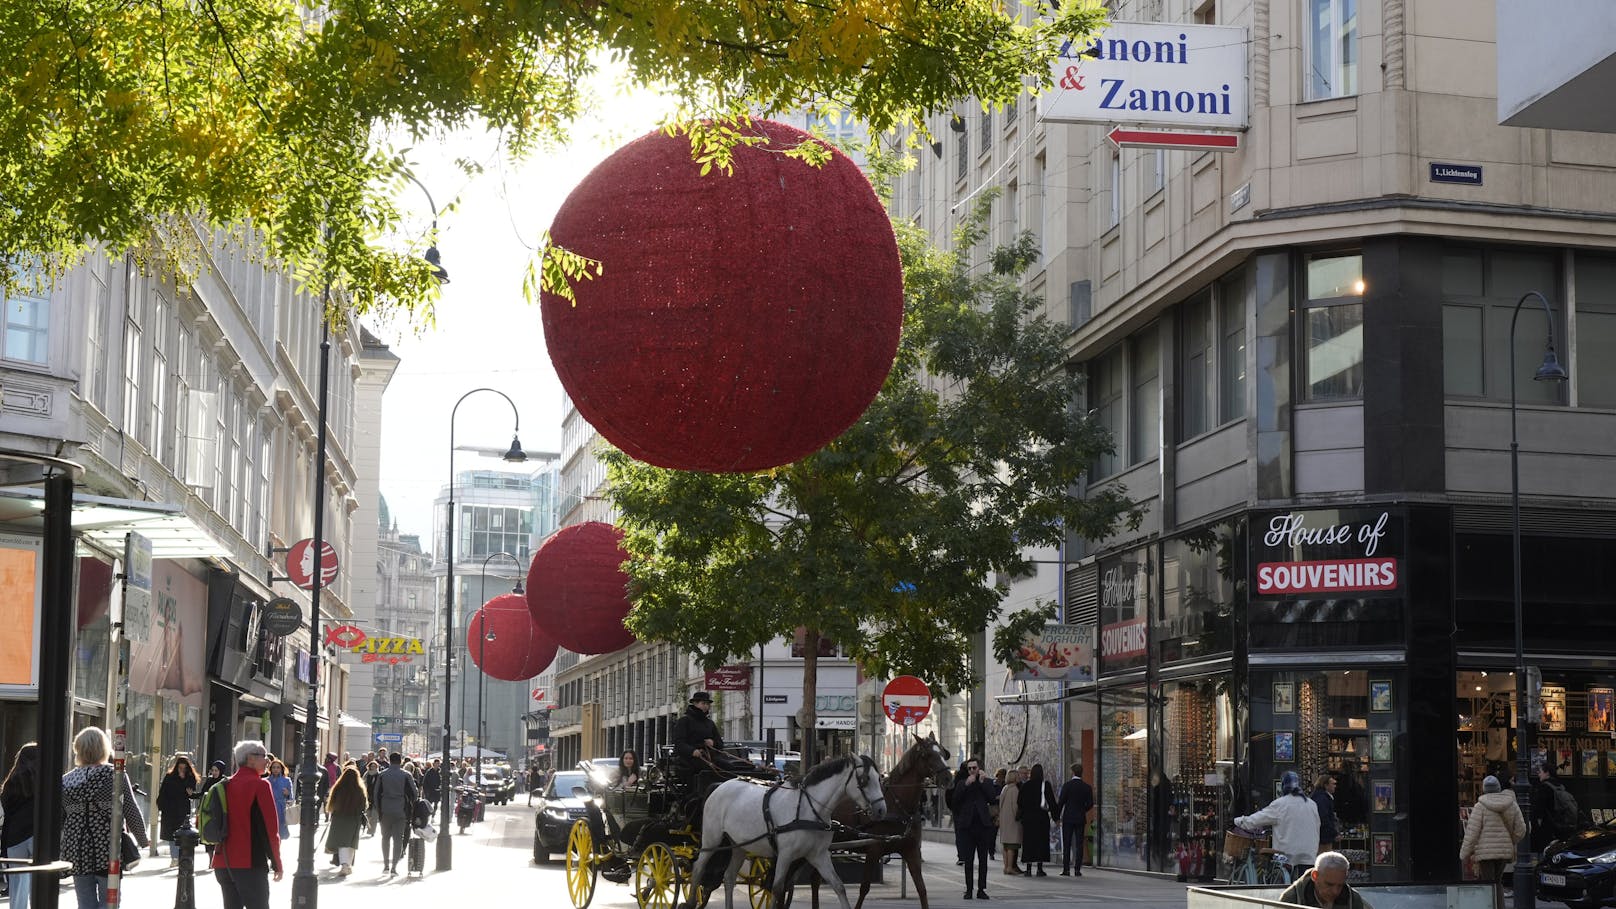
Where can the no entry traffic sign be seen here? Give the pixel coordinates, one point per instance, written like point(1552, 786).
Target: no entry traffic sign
point(300, 564)
point(906, 700)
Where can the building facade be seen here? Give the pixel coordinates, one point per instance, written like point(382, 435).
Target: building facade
point(402, 701)
point(1306, 353)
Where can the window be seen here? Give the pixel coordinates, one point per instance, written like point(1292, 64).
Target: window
point(132, 352)
point(1144, 411)
point(1106, 405)
point(27, 335)
point(1158, 169)
point(157, 441)
point(1035, 214)
point(1596, 331)
point(987, 132)
point(1212, 357)
point(1207, 13)
point(1330, 53)
point(1333, 328)
point(1232, 347)
point(1480, 288)
point(1116, 191)
point(962, 145)
point(97, 357)
point(1195, 329)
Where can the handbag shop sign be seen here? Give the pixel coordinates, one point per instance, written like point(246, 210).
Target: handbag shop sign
point(1152, 72)
point(1327, 552)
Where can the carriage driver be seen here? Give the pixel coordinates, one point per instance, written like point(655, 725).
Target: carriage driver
point(696, 743)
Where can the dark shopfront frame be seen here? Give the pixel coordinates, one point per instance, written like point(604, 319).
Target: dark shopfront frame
point(1407, 644)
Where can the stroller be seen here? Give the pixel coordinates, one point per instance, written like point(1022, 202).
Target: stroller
point(421, 833)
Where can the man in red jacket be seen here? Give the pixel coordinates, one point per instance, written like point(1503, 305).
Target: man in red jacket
point(252, 844)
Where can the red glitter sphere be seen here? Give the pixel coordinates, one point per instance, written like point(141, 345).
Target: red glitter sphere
point(519, 650)
point(577, 590)
point(741, 321)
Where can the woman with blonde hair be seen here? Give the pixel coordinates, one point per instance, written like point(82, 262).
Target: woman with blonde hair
point(346, 807)
point(87, 794)
point(1009, 821)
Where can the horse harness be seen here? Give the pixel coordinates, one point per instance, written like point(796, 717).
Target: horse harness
point(818, 823)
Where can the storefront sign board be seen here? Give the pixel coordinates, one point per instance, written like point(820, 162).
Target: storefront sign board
point(1057, 653)
point(1172, 74)
point(1327, 552)
point(729, 678)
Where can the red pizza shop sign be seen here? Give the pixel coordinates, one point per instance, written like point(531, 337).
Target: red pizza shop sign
point(1327, 553)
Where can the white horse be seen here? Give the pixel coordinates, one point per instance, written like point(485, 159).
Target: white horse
point(787, 823)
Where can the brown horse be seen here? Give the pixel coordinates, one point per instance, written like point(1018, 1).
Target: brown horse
point(905, 789)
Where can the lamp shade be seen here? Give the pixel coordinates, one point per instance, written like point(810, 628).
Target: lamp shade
point(740, 321)
point(518, 649)
point(577, 590)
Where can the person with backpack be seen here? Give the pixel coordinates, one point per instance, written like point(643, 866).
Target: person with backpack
point(1554, 809)
point(394, 799)
point(245, 834)
point(1494, 827)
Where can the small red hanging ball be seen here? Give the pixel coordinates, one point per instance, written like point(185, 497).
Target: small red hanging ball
point(577, 590)
point(518, 650)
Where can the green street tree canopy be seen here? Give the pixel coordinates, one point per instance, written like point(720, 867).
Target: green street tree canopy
point(141, 125)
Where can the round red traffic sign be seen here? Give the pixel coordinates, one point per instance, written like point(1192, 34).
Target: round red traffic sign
point(906, 700)
point(300, 564)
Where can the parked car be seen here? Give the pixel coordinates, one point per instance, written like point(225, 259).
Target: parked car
point(560, 804)
point(1580, 870)
point(498, 786)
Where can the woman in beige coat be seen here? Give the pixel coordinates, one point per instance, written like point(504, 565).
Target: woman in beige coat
point(1009, 822)
point(1494, 827)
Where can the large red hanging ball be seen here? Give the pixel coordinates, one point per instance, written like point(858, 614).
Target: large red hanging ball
point(518, 650)
point(577, 590)
point(741, 321)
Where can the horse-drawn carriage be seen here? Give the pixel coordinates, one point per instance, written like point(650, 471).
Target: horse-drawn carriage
point(671, 840)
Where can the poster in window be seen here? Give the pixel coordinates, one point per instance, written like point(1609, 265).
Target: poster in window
point(1380, 696)
point(1599, 707)
point(1562, 762)
point(1284, 697)
point(1590, 762)
point(1385, 849)
point(1381, 791)
point(1284, 747)
point(1380, 747)
point(1610, 763)
point(1554, 708)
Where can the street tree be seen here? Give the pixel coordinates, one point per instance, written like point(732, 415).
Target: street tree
point(886, 542)
point(146, 127)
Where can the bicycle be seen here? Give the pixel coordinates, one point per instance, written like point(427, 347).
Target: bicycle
point(1271, 870)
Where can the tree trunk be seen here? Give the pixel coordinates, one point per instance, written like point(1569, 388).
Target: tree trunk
point(808, 716)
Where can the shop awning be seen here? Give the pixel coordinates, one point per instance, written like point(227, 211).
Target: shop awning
point(104, 521)
point(350, 721)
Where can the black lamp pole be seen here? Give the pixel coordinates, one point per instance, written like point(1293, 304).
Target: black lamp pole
point(1550, 370)
point(483, 637)
point(305, 886)
point(514, 455)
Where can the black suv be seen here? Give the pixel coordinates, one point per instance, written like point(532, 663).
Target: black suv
point(560, 804)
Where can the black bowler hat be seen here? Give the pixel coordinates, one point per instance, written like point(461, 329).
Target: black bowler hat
point(701, 696)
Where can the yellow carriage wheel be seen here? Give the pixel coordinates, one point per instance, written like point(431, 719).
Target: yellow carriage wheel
point(656, 879)
point(581, 866)
point(755, 874)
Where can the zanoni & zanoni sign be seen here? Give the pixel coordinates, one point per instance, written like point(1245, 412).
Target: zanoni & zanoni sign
point(1151, 72)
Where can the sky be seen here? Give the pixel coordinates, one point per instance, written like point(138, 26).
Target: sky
point(485, 335)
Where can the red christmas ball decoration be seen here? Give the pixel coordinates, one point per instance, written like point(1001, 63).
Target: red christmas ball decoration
point(577, 590)
point(741, 321)
point(518, 650)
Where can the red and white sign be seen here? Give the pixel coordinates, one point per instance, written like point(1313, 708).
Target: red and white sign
point(1163, 138)
point(538, 694)
point(345, 636)
point(300, 564)
point(1327, 576)
point(906, 700)
point(1123, 639)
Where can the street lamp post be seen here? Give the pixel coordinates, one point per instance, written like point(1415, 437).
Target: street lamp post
point(514, 455)
point(1549, 370)
point(484, 637)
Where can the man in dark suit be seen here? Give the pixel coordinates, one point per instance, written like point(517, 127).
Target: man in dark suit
point(972, 801)
point(1075, 800)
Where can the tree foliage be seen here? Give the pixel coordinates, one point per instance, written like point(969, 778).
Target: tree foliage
point(887, 540)
point(143, 124)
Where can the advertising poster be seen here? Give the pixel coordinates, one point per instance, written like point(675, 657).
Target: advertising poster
point(169, 661)
point(1057, 653)
point(19, 614)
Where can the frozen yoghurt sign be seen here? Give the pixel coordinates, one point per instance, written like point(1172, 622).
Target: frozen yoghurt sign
point(1326, 553)
point(1057, 653)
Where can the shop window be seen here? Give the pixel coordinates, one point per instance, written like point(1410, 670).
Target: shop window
point(1125, 583)
point(1330, 51)
point(1197, 751)
point(1199, 594)
point(1195, 365)
point(1144, 410)
point(1596, 331)
point(1343, 725)
point(1332, 327)
point(1123, 826)
point(1480, 288)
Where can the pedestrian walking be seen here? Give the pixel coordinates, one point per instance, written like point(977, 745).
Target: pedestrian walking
point(345, 806)
point(1493, 829)
point(280, 786)
point(1074, 802)
point(179, 788)
point(1295, 821)
point(17, 795)
point(1009, 821)
point(1033, 802)
point(972, 800)
point(1324, 797)
point(251, 850)
point(535, 783)
point(87, 793)
point(993, 842)
point(373, 772)
point(395, 798)
point(432, 784)
point(1554, 810)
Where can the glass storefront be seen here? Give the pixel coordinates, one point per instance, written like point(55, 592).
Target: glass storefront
point(1197, 761)
point(1123, 807)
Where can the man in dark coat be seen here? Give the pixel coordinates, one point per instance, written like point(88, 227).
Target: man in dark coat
point(696, 742)
point(1074, 802)
point(432, 783)
point(972, 801)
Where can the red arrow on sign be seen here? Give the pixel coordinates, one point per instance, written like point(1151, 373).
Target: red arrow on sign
point(1162, 138)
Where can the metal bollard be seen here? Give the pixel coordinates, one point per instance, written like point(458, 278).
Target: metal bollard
point(185, 888)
